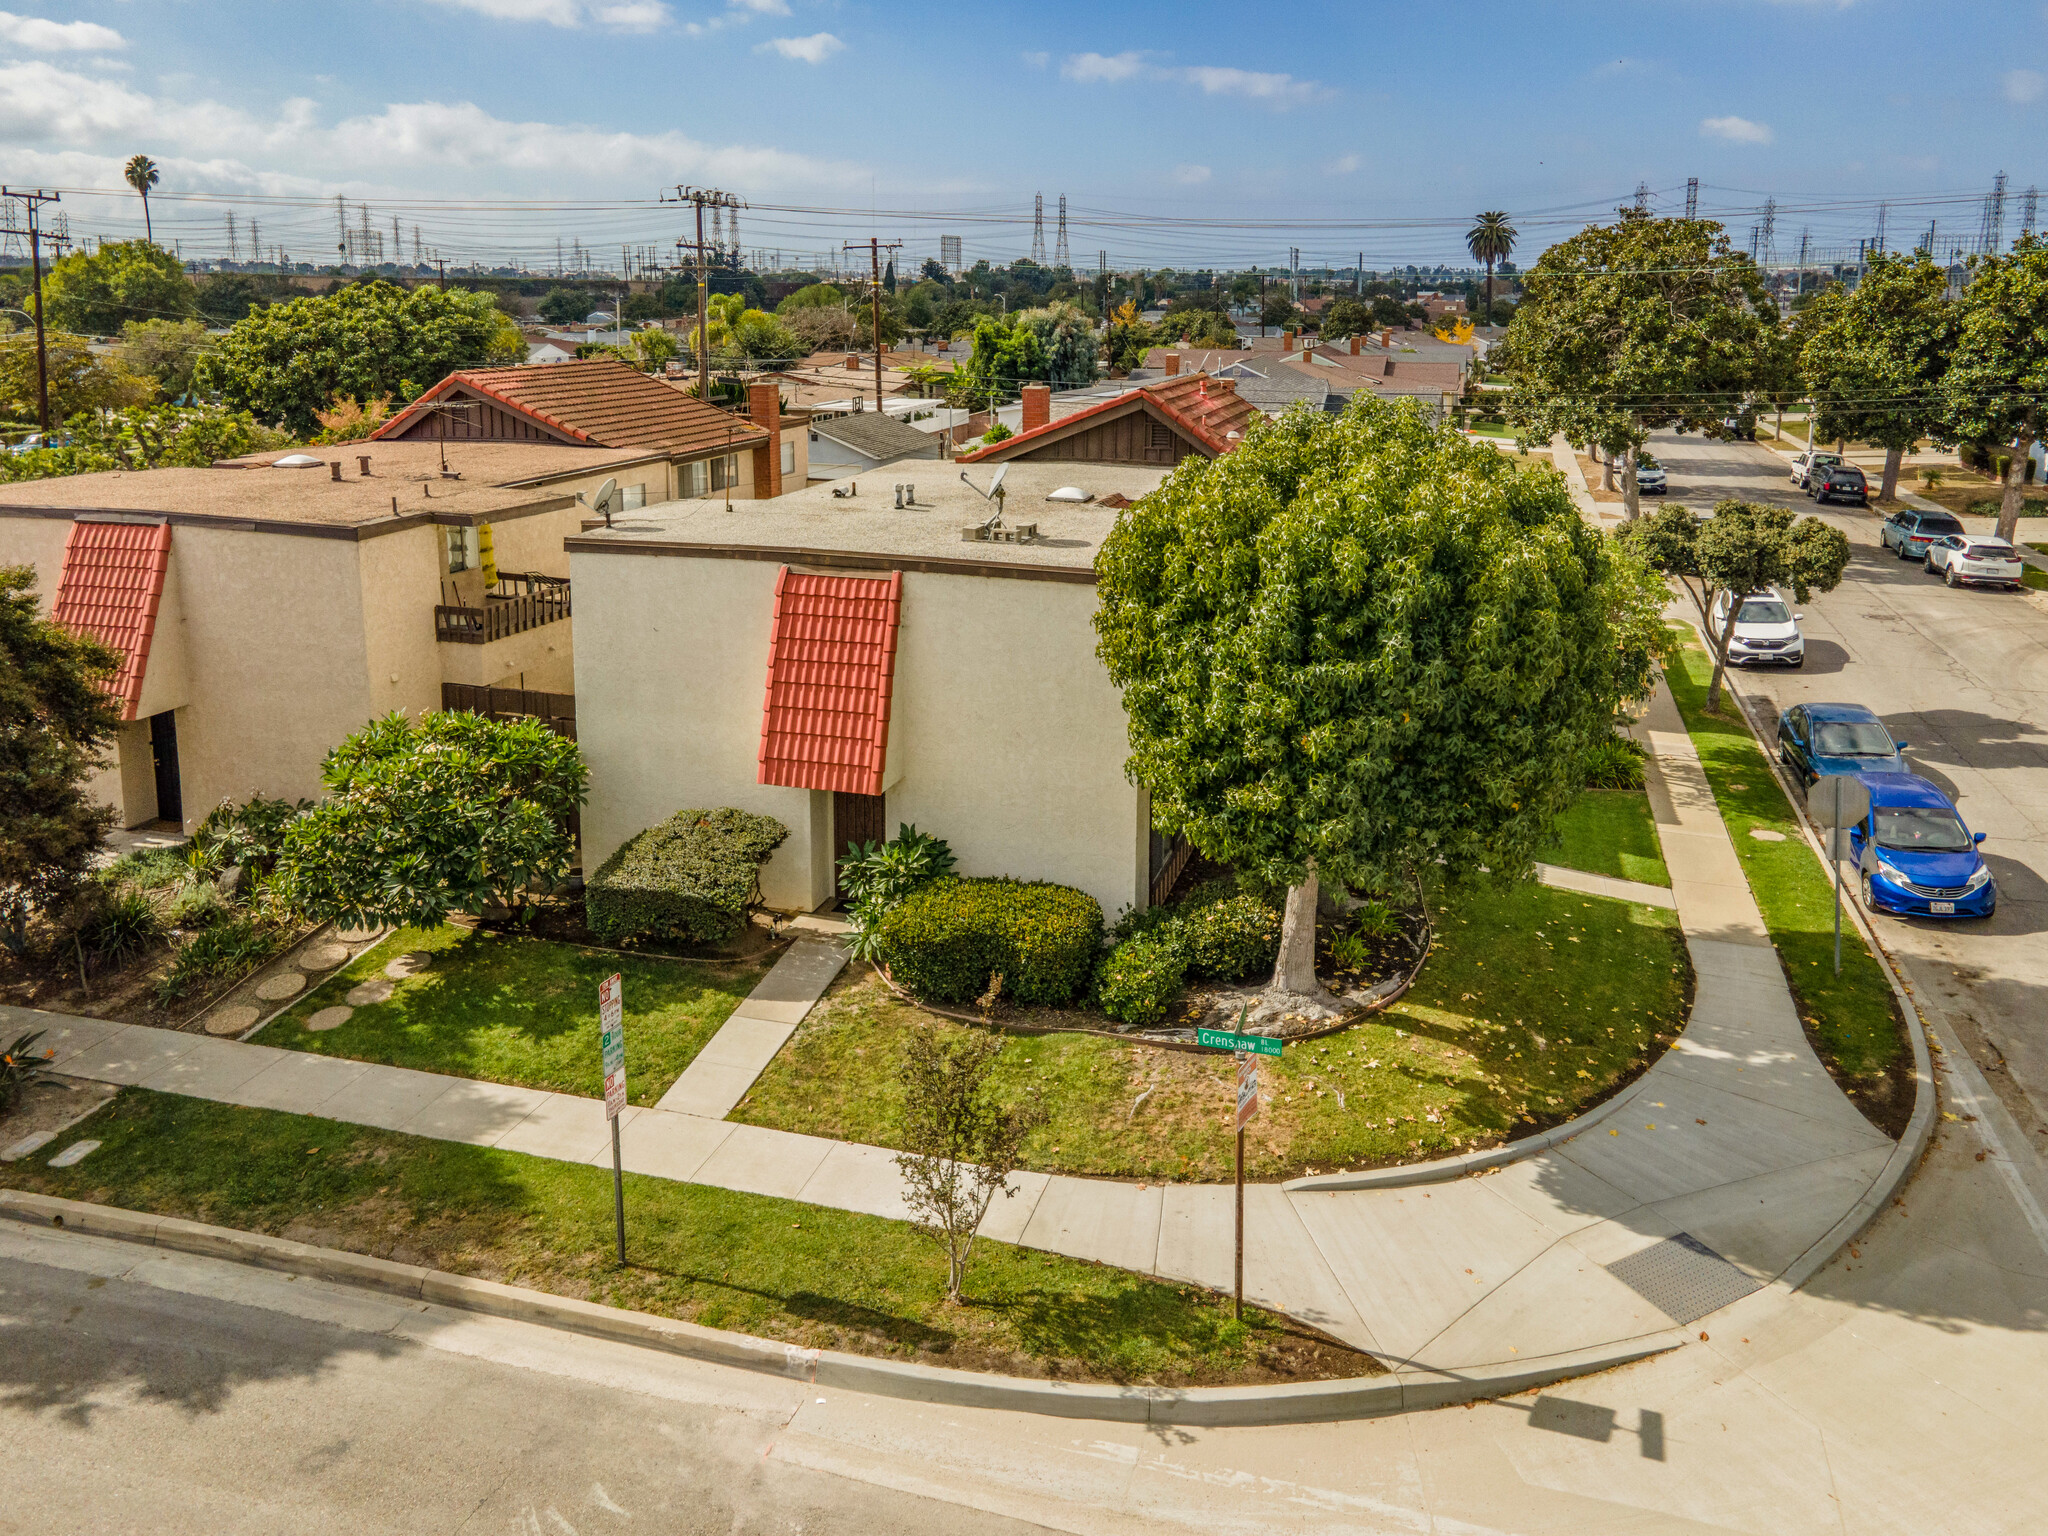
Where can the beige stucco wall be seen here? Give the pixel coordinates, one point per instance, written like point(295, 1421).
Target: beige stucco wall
point(1008, 740)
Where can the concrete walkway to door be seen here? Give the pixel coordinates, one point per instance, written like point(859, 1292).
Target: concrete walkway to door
point(1733, 1163)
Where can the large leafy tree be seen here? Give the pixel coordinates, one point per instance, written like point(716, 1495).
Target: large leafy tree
point(456, 813)
point(1998, 373)
point(1874, 358)
point(55, 720)
point(167, 351)
point(1357, 647)
point(99, 291)
point(288, 362)
point(1743, 548)
point(80, 379)
point(1635, 325)
point(1491, 239)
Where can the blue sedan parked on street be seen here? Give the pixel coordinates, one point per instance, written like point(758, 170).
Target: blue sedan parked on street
point(1815, 740)
point(1917, 857)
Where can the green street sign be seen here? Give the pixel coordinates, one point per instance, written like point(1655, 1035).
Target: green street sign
point(1224, 1040)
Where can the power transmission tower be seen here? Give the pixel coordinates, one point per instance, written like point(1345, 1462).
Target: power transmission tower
point(702, 198)
point(2029, 202)
point(255, 241)
point(32, 202)
point(233, 252)
point(732, 235)
point(1770, 232)
point(1883, 209)
point(1101, 263)
point(416, 245)
point(875, 249)
point(1642, 197)
point(1038, 229)
point(1692, 197)
point(1059, 253)
point(340, 229)
point(1992, 236)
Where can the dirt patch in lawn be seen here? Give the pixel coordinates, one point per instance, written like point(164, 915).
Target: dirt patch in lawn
point(52, 1103)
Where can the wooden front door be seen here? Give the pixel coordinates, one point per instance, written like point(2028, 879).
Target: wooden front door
point(163, 748)
point(855, 819)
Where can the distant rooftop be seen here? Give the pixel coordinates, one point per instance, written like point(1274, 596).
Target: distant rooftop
point(813, 520)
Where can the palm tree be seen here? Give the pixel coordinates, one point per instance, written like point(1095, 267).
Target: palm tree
point(1492, 239)
point(141, 175)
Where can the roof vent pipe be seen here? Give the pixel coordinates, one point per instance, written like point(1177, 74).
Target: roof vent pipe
point(334, 469)
point(363, 465)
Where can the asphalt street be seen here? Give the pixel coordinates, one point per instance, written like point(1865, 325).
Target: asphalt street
point(1962, 677)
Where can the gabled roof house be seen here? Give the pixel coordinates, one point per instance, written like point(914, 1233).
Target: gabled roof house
point(1159, 424)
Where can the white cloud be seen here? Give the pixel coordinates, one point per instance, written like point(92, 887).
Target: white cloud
point(1344, 165)
point(40, 36)
point(1736, 130)
point(614, 15)
point(815, 49)
point(2025, 85)
point(1037, 59)
point(1098, 69)
point(1273, 90)
point(762, 7)
point(1191, 175)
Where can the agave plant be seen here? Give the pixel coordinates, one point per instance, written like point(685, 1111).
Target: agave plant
point(873, 877)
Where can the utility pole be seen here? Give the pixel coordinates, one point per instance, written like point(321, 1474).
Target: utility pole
point(702, 198)
point(875, 249)
point(33, 202)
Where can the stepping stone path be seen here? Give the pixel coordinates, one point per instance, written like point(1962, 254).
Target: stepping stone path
point(30, 1143)
point(375, 990)
point(329, 1018)
point(1766, 835)
point(275, 989)
point(322, 957)
point(76, 1153)
point(409, 964)
point(232, 1020)
point(355, 935)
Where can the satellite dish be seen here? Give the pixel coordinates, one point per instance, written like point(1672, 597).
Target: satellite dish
point(996, 484)
point(602, 501)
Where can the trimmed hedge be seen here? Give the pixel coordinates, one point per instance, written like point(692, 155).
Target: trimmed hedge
point(1231, 939)
point(1140, 978)
point(945, 940)
point(690, 878)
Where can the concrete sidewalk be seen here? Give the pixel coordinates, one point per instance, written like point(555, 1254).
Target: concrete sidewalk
point(1710, 1176)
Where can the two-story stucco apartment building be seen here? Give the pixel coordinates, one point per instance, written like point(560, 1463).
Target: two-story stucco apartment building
point(267, 607)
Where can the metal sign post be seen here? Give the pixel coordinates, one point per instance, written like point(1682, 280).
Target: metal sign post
point(1247, 1107)
point(1836, 801)
point(611, 1023)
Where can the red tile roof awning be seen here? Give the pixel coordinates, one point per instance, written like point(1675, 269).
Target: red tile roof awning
point(112, 585)
point(831, 676)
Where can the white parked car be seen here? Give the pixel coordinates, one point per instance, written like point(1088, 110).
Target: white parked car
point(1766, 630)
point(1650, 479)
point(1976, 560)
point(1804, 464)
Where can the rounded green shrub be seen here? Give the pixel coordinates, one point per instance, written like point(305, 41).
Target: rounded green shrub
point(1141, 976)
point(945, 940)
point(690, 878)
point(1230, 939)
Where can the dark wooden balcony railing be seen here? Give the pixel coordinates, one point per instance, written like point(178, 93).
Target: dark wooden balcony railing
point(523, 600)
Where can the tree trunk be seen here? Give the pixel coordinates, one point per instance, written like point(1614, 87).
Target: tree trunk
point(1721, 652)
point(1606, 469)
point(1631, 498)
point(2015, 482)
point(1893, 457)
point(1489, 290)
point(1295, 969)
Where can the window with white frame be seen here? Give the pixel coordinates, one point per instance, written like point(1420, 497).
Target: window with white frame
point(788, 457)
point(693, 479)
point(636, 496)
point(458, 548)
point(725, 473)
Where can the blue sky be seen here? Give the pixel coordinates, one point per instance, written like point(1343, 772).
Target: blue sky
point(1333, 128)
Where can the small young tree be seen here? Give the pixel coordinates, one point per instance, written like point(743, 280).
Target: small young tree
point(456, 813)
point(55, 718)
point(1353, 648)
point(1635, 325)
point(961, 1146)
point(1999, 371)
point(1741, 549)
point(1874, 358)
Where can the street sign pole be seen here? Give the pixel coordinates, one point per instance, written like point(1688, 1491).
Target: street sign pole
point(611, 1023)
point(1837, 801)
point(1239, 1314)
point(1247, 1107)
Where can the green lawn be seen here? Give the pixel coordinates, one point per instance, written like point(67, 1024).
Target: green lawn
point(513, 1010)
point(1534, 1001)
point(1610, 832)
point(769, 1267)
point(1851, 1015)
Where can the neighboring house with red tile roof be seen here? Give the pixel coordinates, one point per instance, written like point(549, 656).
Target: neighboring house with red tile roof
point(263, 611)
point(862, 654)
point(1159, 423)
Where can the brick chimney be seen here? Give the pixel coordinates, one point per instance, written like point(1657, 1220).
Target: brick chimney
point(853, 360)
point(1222, 386)
point(1354, 346)
point(764, 409)
point(1172, 364)
point(1037, 405)
point(1287, 341)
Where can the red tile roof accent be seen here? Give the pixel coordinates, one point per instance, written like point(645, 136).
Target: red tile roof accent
point(1204, 411)
point(112, 584)
point(831, 676)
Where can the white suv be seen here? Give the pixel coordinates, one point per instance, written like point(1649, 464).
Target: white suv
point(1766, 630)
point(1976, 560)
point(1804, 464)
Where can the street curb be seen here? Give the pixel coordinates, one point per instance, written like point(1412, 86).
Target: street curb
point(1912, 1145)
point(1403, 1390)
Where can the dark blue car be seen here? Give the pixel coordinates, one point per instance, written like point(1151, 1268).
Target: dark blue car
point(1819, 739)
point(1917, 857)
